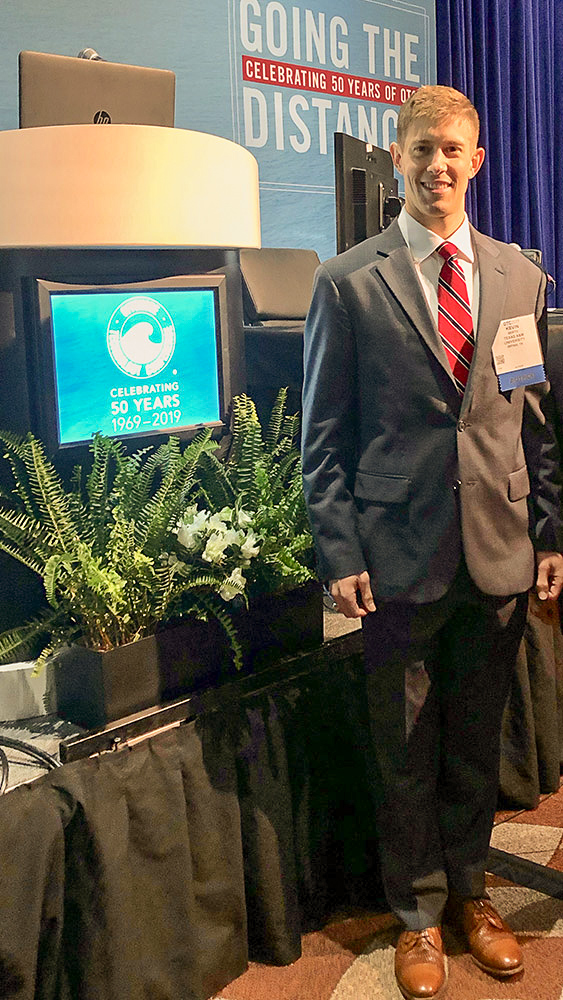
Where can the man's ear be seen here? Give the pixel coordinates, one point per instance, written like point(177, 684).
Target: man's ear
point(477, 161)
point(396, 156)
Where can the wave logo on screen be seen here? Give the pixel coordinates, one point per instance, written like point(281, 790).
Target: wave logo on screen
point(141, 336)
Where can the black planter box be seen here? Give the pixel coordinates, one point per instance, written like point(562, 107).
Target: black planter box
point(94, 688)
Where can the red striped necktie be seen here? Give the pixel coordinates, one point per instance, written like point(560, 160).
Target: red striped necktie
point(455, 323)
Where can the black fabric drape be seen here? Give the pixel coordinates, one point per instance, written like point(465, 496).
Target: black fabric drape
point(532, 735)
point(31, 894)
point(136, 879)
point(148, 874)
point(506, 56)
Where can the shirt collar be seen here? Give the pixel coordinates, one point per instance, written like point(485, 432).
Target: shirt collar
point(422, 241)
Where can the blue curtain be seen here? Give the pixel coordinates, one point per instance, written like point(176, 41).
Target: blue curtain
point(507, 56)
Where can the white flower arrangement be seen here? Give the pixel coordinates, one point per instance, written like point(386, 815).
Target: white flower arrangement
point(225, 540)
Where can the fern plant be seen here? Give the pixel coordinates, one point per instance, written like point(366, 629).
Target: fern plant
point(98, 546)
point(144, 539)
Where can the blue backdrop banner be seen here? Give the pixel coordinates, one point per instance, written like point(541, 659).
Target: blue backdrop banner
point(298, 74)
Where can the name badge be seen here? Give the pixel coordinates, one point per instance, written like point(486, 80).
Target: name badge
point(517, 353)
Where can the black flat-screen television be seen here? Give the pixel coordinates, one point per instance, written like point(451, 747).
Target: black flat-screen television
point(129, 360)
point(366, 190)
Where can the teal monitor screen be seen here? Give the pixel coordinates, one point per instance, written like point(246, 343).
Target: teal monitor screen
point(137, 359)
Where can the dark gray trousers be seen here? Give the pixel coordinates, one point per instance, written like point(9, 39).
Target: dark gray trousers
point(438, 676)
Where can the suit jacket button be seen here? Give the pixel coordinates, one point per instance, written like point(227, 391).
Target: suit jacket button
point(457, 485)
point(461, 425)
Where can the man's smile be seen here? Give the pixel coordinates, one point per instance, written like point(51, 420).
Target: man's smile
point(436, 185)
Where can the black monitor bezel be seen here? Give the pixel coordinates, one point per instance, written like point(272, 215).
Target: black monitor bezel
point(43, 386)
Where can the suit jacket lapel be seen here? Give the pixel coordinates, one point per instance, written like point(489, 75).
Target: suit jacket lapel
point(492, 296)
point(395, 265)
point(492, 290)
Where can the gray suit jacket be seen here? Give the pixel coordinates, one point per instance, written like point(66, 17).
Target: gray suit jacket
point(401, 476)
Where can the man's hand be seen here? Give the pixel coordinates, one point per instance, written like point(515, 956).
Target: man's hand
point(550, 575)
point(346, 591)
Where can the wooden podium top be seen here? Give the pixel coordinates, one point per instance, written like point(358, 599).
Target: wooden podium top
point(126, 186)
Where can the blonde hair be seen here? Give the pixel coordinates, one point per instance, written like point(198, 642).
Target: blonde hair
point(438, 104)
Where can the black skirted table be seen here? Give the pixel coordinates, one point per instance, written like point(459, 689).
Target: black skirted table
point(156, 870)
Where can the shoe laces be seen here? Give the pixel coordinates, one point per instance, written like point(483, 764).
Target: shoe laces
point(413, 939)
point(487, 910)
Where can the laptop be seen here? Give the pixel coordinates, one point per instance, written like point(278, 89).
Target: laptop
point(64, 90)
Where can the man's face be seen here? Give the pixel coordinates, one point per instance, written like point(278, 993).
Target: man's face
point(437, 161)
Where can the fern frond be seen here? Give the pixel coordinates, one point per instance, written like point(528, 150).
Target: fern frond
point(301, 543)
point(215, 483)
point(103, 581)
point(163, 510)
point(24, 530)
point(25, 558)
point(148, 472)
point(44, 656)
point(176, 591)
point(49, 492)
point(295, 509)
point(286, 565)
point(58, 640)
point(14, 455)
point(244, 418)
point(284, 474)
point(166, 593)
point(14, 442)
point(276, 419)
point(22, 642)
point(212, 607)
point(51, 574)
point(106, 453)
point(246, 472)
point(128, 491)
point(162, 487)
point(290, 427)
point(201, 443)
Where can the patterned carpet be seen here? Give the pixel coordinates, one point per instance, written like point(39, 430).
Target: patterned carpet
point(351, 958)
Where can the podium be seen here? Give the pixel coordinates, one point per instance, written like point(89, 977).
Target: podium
point(112, 204)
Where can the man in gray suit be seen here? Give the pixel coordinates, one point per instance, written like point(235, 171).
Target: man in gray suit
point(432, 489)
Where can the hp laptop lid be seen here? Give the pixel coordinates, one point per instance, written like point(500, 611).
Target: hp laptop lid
point(64, 90)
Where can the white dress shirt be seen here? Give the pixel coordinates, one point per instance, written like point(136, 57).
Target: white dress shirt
point(423, 245)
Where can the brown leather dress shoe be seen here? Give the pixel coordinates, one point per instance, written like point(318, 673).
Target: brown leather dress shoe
point(491, 942)
point(419, 963)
